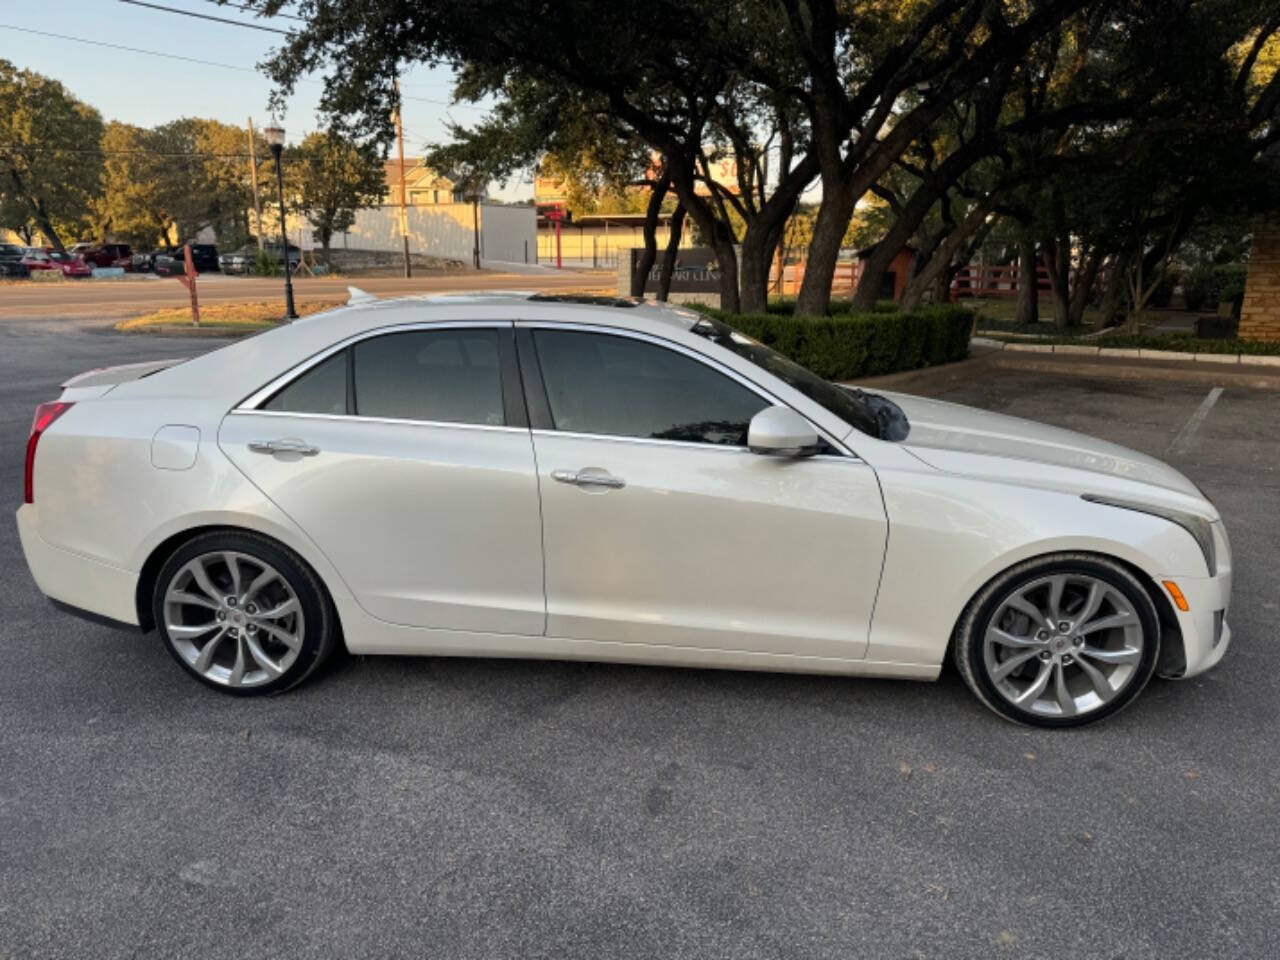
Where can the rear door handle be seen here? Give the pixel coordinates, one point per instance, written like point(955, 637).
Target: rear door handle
point(585, 478)
point(300, 447)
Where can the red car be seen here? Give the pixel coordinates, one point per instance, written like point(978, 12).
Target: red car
point(105, 254)
point(50, 259)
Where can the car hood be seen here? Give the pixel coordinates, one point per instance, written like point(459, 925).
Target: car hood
point(940, 431)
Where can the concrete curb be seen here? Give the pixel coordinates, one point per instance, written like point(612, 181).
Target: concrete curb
point(1255, 359)
point(1124, 364)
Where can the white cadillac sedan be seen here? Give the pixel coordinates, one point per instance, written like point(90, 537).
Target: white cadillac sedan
point(506, 475)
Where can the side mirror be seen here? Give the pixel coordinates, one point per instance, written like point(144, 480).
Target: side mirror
point(781, 432)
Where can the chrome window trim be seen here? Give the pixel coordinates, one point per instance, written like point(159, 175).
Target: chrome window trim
point(398, 421)
point(692, 444)
point(692, 354)
point(262, 394)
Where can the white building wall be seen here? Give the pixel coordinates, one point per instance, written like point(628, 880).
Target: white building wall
point(508, 233)
point(445, 230)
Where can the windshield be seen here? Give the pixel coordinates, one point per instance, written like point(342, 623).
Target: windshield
point(850, 406)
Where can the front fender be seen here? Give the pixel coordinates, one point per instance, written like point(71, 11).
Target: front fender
point(950, 535)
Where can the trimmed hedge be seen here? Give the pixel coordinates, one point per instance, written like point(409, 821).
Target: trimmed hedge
point(850, 345)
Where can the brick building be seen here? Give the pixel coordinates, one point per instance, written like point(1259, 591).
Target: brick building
point(1260, 314)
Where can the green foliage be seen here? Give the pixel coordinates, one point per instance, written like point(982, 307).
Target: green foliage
point(168, 183)
point(845, 346)
point(46, 181)
point(266, 264)
point(1208, 285)
point(333, 178)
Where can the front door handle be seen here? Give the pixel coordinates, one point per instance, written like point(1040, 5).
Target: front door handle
point(300, 447)
point(588, 478)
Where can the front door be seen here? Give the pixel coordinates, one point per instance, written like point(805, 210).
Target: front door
point(660, 527)
point(404, 459)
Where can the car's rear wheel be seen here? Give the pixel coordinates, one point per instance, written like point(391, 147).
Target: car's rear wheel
point(243, 614)
point(1059, 641)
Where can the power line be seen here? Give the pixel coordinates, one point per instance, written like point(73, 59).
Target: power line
point(206, 16)
point(207, 63)
point(274, 16)
point(117, 46)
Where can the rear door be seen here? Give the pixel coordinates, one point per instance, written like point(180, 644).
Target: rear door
point(406, 457)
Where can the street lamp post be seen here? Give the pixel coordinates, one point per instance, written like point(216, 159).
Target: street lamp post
point(275, 139)
point(474, 197)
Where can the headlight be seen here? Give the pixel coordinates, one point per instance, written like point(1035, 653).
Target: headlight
point(1196, 525)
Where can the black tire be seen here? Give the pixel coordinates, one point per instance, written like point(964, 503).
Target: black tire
point(321, 629)
point(971, 658)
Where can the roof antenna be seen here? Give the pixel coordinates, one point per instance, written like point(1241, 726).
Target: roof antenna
point(360, 296)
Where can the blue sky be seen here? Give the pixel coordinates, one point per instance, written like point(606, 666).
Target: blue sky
point(149, 90)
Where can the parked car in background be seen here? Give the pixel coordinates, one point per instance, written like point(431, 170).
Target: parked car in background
point(243, 259)
point(71, 266)
point(105, 254)
point(11, 264)
point(295, 254)
point(36, 259)
point(203, 255)
point(144, 261)
point(239, 260)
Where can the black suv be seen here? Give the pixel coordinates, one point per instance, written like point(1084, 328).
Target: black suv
point(11, 264)
point(204, 256)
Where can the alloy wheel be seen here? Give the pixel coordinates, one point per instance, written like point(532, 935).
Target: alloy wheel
point(233, 618)
point(1063, 645)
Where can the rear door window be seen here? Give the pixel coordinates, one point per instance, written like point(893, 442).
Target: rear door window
point(450, 375)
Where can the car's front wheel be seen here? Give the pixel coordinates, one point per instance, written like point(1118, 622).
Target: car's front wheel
point(1059, 641)
point(243, 613)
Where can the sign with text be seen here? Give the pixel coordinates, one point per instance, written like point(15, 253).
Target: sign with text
point(696, 271)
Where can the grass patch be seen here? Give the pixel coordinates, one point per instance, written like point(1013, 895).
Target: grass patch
point(237, 317)
point(1000, 313)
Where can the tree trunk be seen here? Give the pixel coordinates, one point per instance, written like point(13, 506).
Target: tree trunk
point(758, 247)
point(38, 212)
point(669, 255)
point(834, 214)
point(1028, 284)
point(1084, 289)
point(1058, 257)
point(1113, 299)
point(947, 250)
point(718, 235)
point(640, 277)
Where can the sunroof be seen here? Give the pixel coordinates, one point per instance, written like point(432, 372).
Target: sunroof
point(594, 301)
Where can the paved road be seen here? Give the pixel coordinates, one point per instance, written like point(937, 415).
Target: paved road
point(449, 808)
point(115, 298)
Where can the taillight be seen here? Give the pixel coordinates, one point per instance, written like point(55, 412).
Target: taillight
point(46, 414)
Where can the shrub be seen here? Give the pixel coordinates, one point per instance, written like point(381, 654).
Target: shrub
point(845, 346)
point(1210, 284)
point(266, 264)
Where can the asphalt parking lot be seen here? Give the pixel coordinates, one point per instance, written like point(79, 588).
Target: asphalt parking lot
point(469, 809)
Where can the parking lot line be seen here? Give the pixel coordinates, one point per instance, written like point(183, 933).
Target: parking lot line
point(1182, 441)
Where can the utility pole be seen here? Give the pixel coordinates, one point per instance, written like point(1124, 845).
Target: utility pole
point(253, 172)
point(404, 214)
